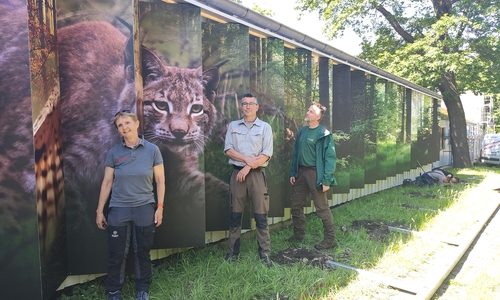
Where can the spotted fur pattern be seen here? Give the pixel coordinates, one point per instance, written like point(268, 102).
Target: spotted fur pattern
point(30, 152)
point(179, 116)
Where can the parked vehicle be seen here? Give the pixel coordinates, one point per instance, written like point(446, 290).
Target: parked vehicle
point(490, 149)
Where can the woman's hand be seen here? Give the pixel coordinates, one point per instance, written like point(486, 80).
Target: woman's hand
point(159, 216)
point(101, 221)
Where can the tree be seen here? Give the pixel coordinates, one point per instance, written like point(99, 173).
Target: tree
point(257, 8)
point(449, 46)
point(496, 112)
point(263, 11)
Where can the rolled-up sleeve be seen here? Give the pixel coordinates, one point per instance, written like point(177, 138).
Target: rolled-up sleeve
point(267, 143)
point(228, 144)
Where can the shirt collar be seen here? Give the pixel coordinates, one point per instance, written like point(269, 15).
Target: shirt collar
point(141, 142)
point(257, 121)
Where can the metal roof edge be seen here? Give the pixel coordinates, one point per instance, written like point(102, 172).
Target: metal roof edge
point(255, 20)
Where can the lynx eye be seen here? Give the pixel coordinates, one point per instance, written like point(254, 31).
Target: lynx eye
point(161, 106)
point(197, 109)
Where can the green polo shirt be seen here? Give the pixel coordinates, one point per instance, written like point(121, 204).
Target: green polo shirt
point(307, 147)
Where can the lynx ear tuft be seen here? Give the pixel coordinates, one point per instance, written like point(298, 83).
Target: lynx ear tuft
point(211, 80)
point(152, 67)
point(129, 59)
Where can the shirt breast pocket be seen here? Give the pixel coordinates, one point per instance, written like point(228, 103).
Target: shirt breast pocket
point(238, 137)
point(256, 137)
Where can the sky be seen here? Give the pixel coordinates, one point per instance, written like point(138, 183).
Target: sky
point(309, 24)
point(349, 43)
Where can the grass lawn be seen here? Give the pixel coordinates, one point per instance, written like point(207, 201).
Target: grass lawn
point(438, 213)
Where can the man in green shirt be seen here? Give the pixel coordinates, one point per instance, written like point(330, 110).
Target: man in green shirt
point(311, 172)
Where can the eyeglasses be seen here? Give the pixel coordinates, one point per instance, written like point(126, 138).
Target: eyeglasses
point(126, 111)
point(248, 104)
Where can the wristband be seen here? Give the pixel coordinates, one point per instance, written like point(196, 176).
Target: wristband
point(160, 205)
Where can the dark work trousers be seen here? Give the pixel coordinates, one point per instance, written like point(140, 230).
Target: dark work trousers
point(255, 188)
point(427, 179)
point(126, 224)
point(305, 184)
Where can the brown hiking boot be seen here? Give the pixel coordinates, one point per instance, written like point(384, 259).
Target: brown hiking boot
point(295, 239)
point(325, 244)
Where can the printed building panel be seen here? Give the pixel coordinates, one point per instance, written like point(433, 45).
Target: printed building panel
point(426, 130)
point(177, 116)
point(358, 123)
point(93, 59)
point(19, 247)
point(325, 83)
point(342, 112)
point(418, 149)
point(436, 131)
point(370, 161)
point(266, 82)
point(46, 113)
point(392, 148)
point(325, 93)
point(225, 49)
point(408, 129)
point(297, 82)
point(381, 111)
point(400, 112)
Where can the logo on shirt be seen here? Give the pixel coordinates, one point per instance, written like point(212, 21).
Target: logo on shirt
point(310, 140)
point(235, 130)
point(121, 159)
point(114, 234)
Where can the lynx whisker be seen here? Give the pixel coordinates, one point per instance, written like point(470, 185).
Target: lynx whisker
point(153, 139)
point(199, 145)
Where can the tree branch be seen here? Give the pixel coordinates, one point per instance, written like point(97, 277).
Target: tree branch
point(395, 24)
point(442, 7)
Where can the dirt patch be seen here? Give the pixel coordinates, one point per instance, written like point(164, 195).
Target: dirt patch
point(302, 255)
point(409, 206)
point(376, 230)
point(275, 297)
point(420, 194)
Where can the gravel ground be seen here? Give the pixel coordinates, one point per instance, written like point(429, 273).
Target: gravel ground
point(478, 270)
point(418, 264)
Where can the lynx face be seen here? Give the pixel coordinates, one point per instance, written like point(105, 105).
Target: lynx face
point(177, 113)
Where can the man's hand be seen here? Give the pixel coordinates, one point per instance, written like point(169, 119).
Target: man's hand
point(292, 180)
point(242, 174)
point(253, 162)
point(325, 188)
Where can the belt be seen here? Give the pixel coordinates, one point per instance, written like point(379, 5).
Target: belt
point(239, 168)
point(307, 168)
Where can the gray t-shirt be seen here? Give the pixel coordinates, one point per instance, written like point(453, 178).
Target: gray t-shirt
point(133, 173)
point(437, 175)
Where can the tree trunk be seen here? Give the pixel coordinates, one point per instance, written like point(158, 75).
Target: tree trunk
point(458, 125)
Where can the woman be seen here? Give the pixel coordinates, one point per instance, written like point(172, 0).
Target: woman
point(130, 168)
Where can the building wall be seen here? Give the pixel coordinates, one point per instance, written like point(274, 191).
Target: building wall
point(95, 58)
